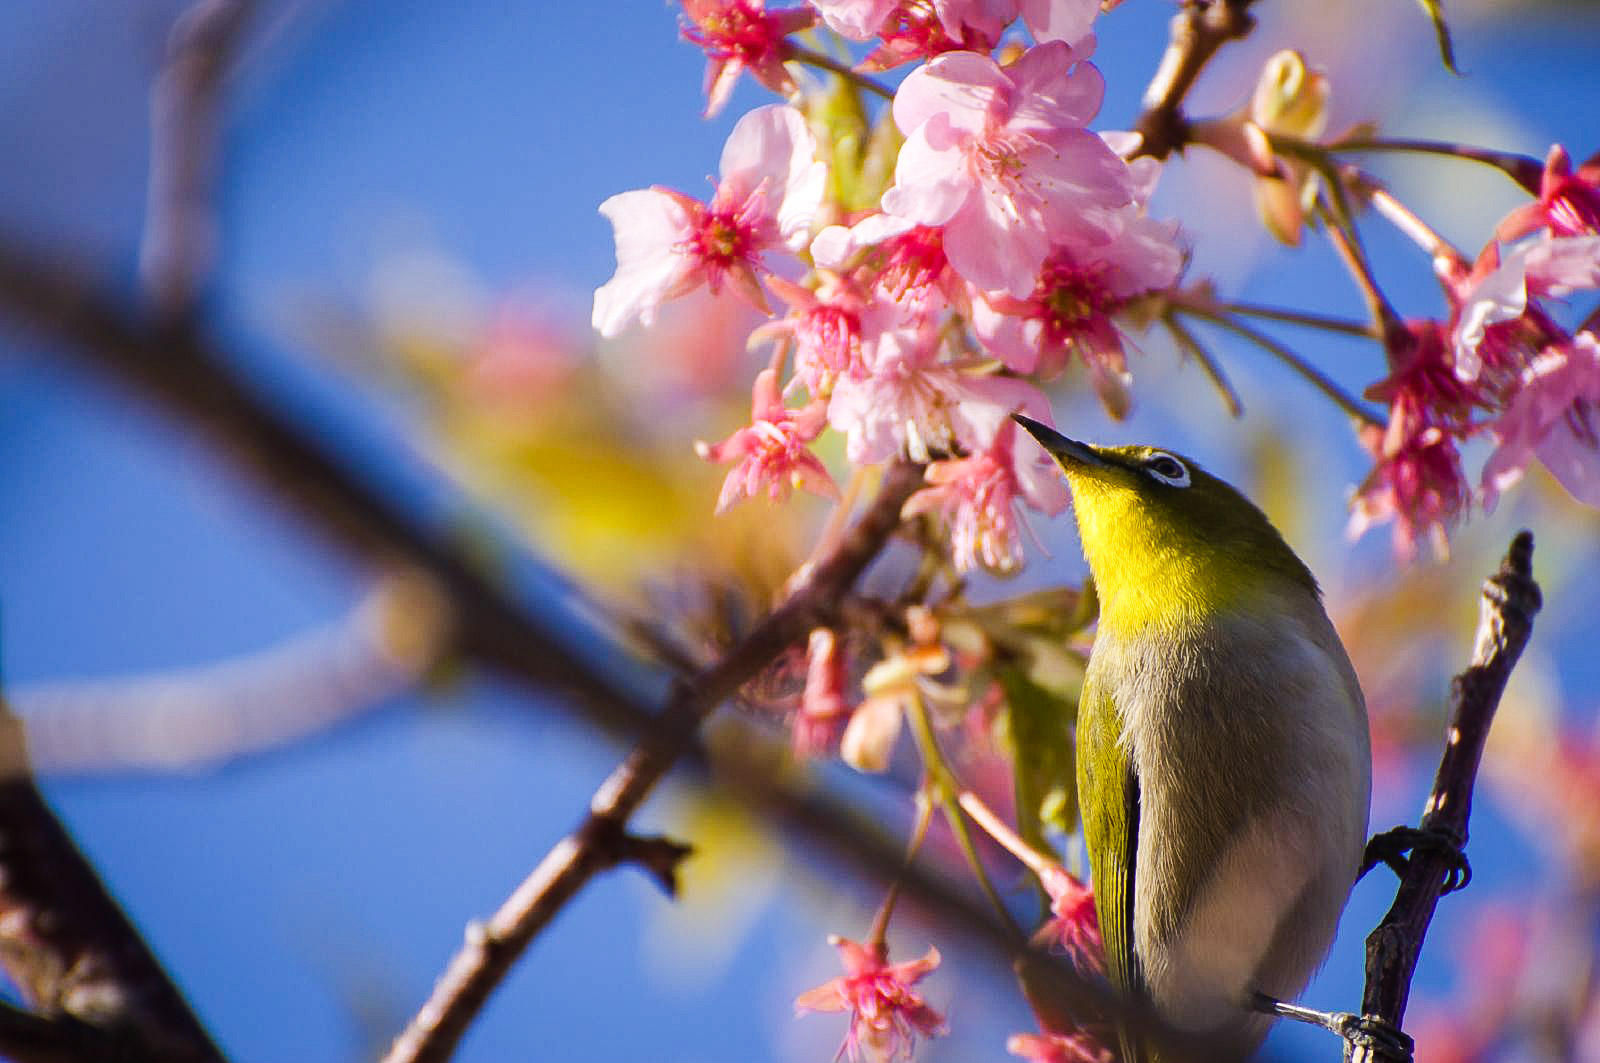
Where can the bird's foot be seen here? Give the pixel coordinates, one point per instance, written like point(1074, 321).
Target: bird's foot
point(1397, 846)
point(1379, 1037)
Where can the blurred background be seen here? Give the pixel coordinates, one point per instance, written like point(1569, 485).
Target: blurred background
point(301, 807)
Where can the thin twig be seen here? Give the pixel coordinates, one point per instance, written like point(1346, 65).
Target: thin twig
point(1343, 326)
point(1524, 170)
point(844, 70)
point(67, 946)
point(492, 948)
point(1511, 599)
point(180, 224)
point(1190, 345)
point(1197, 31)
point(1318, 379)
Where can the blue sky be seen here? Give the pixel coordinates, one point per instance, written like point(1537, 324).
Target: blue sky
point(306, 899)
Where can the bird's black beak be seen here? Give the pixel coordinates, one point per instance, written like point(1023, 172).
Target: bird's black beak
point(1062, 448)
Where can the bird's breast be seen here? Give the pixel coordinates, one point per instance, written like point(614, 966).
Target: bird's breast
point(1248, 737)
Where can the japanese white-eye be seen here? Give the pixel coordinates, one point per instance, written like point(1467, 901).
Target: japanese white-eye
point(1224, 765)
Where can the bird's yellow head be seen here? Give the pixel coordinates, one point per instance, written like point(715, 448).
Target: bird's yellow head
point(1168, 543)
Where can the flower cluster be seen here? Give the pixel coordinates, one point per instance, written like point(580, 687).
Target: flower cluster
point(1500, 365)
point(1005, 245)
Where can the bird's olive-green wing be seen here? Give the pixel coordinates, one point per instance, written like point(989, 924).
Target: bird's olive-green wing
point(1108, 792)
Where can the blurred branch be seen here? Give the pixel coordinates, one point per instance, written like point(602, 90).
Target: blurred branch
point(200, 717)
point(180, 223)
point(1198, 30)
point(188, 375)
point(1511, 599)
point(597, 843)
point(68, 948)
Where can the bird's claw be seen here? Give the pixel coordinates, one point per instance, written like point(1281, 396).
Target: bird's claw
point(1396, 847)
point(1381, 1038)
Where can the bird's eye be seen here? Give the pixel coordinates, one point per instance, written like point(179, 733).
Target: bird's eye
point(1164, 468)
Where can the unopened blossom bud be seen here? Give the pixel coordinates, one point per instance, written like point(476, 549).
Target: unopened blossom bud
point(1290, 97)
point(822, 703)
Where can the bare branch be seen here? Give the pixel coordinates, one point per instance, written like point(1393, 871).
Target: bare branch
point(1198, 30)
point(492, 948)
point(69, 949)
point(180, 224)
point(1511, 599)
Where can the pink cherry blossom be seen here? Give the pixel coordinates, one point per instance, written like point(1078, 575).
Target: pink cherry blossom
point(1073, 925)
point(1568, 203)
point(1076, 1047)
point(977, 497)
point(826, 326)
point(742, 35)
point(1071, 310)
point(1417, 482)
point(1001, 160)
point(1551, 266)
point(1554, 416)
point(886, 1014)
point(771, 451)
point(1070, 21)
point(823, 708)
point(909, 405)
point(669, 244)
point(903, 262)
point(1423, 377)
point(855, 19)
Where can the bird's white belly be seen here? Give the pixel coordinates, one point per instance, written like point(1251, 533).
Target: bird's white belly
point(1269, 908)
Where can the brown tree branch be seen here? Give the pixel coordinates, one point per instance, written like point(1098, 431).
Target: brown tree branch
point(1511, 599)
point(1198, 30)
point(185, 109)
point(69, 949)
point(492, 948)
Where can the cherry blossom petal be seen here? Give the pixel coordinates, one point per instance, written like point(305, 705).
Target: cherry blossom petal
point(964, 87)
point(993, 249)
point(1051, 93)
point(649, 224)
point(774, 144)
point(1060, 20)
point(858, 20)
point(930, 183)
point(1006, 336)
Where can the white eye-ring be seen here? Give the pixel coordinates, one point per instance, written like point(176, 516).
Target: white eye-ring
point(1166, 469)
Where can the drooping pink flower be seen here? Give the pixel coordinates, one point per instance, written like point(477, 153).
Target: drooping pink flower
point(913, 30)
point(903, 262)
point(1070, 21)
point(1001, 159)
point(1568, 203)
point(1072, 308)
point(823, 708)
point(1076, 1047)
point(907, 405)
point(771, 451)
point(1503, 294)
point(826, 326)
point(1423, 378)
point(858, 20)
point(1073, 926)
point(669, 244)
point(1417, 482)
point(886, 1014)
point(1554, 416)
point(977, 497)
point(743, 35)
